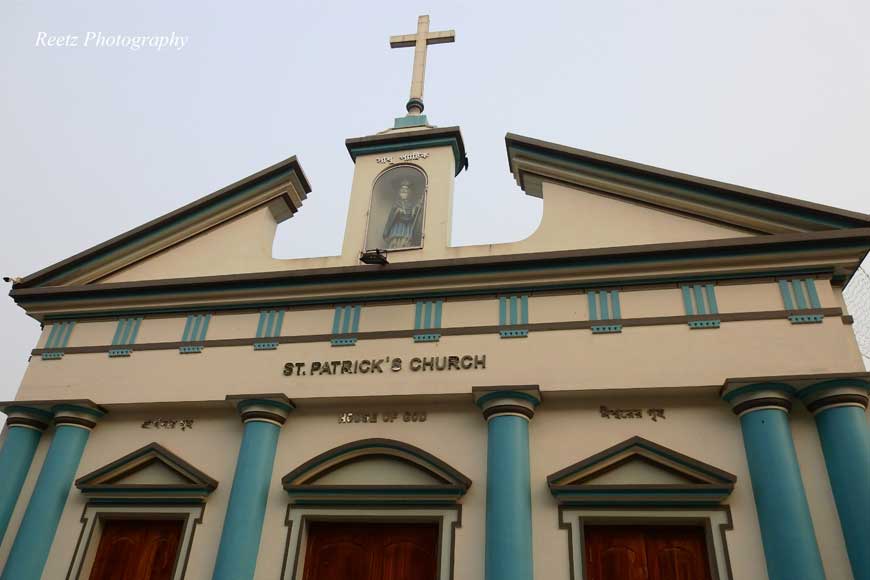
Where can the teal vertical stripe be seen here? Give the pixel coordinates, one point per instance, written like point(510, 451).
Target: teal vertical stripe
point(846, 444)
point(811, 292)
point(345, 320)
point(52, 335)
point(617, 309)
point(194, 332)
point(508, 500)
point(438, 308)
point(427, 315)
point(243, 523)
point(15, 459)
point(336, 319)
point(69, 329)
point(36, 532)
point(602, 301)
point(787, 533)
point(502, 310)
point(261, 324)
point(524, 309)
point(187, 324)
point(687, 300)
point(204, 330)
point(799, 294)
point(785, 291)
point(136, 323)
point(418, 316)
point(356, 312)
point(119, 330)
point(279, 324)
point(699, 300)
point(270, 323)
point(593, 305)
point(513, 309)
point(711, 299)
point(128, 328)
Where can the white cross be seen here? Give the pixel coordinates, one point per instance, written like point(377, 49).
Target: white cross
point(420, 41)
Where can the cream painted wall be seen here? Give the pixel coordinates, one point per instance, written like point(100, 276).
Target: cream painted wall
point(557, 360)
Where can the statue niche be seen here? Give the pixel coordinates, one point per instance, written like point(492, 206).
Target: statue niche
point(396, 213)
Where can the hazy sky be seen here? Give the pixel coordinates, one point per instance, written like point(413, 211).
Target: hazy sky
point(97, 140)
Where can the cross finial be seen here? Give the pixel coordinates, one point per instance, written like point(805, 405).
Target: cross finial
point(420, 41)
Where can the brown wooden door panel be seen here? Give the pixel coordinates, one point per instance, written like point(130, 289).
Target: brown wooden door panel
point(646, 553)
point(137, 550)
point(360, 551)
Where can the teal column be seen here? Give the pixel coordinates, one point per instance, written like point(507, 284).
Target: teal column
point(508, 487)
point(839, 408)
point(73, 424)
point(24, 427)
point(787, 533)
point(243, 523)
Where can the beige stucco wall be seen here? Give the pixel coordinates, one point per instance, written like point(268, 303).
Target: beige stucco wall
point(564, 430)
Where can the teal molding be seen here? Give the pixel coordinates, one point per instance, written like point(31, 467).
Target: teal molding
point(421, 143)
point(126, 331)
point(345, 321)
point(800, 294)
point(243, 523)
point(846, 445)
point(704, 323)
point(513, 311)
point(36, 532)
point(787, 532)
point(606, 328)
point(427, 316)
point(195, 330)
point(410, 121)
point(700, 300)
point(265, 345)
point(270, 323)
point(342, 341)
point(73, 408)
point(483, 399)
point(281, 405)
point(16, 456)
point(508, 553)
point(120, 352)
point(386, 275)
point(783, 388)
point(812, 390)
point(806, 318)
point(58, 339)
point(428, 337)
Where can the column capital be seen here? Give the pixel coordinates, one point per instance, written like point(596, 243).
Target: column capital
point(270, 407)
point(838, 392)
point(81, 414)
point(516, 400)
point(747, 395)
point(27, 417)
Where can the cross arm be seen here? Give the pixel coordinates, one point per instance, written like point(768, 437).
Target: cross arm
point(405, 40)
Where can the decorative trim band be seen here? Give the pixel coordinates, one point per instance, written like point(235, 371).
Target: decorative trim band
point(26, 422)
point(75, 422)
point(496, 410)
point(262, 416)
point(838, 401)
point(762, 402)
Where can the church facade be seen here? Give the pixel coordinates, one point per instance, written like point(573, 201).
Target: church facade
point(660, 383)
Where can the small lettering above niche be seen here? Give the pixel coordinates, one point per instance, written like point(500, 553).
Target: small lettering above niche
point(397, 208)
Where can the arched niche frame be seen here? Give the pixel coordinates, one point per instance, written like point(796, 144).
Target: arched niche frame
point(397, 209)
point(639, 482)
point(378, 481)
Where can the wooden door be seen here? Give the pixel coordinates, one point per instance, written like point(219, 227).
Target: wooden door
point(137, 550)
point(363, 551)
point(646, 553)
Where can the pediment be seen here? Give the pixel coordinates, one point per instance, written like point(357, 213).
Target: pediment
point(248, 210)
point(535, 163)
point(149, 470)
point(382, 470)
point(638, 471)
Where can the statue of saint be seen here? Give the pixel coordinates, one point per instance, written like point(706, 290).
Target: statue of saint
point(403, 228)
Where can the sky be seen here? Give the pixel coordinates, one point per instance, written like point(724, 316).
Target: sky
point(96, 140)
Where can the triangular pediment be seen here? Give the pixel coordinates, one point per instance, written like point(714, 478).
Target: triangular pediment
point(535, 163)
point(209, 227)
point(149, 470)
point(381, 470)
point(638, 471)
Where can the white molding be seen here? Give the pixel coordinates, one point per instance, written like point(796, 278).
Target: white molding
point(94, 514)
point(448, 518)
point(714, 520)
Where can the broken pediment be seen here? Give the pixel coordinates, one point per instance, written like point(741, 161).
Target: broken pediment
point(150, 470)
point(640, 472)
point(375, 470)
